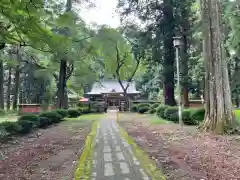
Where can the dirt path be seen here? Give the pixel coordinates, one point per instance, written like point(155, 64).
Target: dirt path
point(187, 154)
point(48, 154)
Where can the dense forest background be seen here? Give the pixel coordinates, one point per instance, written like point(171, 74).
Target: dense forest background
point(47, 49)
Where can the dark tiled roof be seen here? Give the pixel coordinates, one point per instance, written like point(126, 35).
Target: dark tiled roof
point(112, 86)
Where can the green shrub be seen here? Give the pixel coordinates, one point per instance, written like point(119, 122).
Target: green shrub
point(186, 117)
point(26, 126)
point(30, 117)
point(134, 108)
point(143, 105)
point(143, 109)
point(174, 117)
point(152, 111)
point(197, 115)
point(72, 113)
point(169, 111)
point(160, 110)
point(2, 112)
point(154, 106)
point(84, 110)
point(4, 135)
point(44, 122)
point(62, 112)
point(53, 116)
point(13, 128)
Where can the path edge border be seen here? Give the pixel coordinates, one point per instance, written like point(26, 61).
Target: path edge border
point(83, 170)
point(148, 165)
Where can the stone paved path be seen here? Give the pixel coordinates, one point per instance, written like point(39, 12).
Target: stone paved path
point(113, 157)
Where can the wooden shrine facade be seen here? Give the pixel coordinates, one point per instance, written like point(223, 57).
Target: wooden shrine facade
point(111, 93)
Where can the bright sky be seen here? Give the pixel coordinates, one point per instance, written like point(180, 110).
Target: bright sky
point(103, 13)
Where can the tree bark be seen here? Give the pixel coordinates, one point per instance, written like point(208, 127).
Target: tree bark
point(65, 101)
point(9, 88)
point(1, 85)
point(61, 84)
point(168, 62)
point(218, 106)
point(16, 88)
point(63, 73)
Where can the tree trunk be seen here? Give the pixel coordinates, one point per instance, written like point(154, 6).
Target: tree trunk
point(65, 101)
point(9, 88)
point(184, 29)
point(218, 105)
point(1, 85)
point(168, 62)
point(16, 88)
point(61, 84)
point(63, 73)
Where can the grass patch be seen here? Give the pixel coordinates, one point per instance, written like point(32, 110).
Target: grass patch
point(87, 117)
point(237, 114)
point(158, 120)
point(10, 117)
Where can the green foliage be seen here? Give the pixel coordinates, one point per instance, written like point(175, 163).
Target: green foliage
point(197, 115)
point(160, 111)
point(173, 117)
point(44, 122)
point(13, 128)
point(53, 116)
point(143, 105)
point(186, 117)
point(72, 113)
point(62, 112)
point(134, 108)
point(4, 135)
point(143, 109)
point(84, 110)
point(116, 52)
point(152, 111)
point(26, 126)
point(154, 106)
point(30, 117)
point(169, 111)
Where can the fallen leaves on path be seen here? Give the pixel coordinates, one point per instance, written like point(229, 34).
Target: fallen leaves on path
point(187, 154)
point(46, 154)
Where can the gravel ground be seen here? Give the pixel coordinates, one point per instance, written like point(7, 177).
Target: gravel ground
point(48, 154)
point(186, 154)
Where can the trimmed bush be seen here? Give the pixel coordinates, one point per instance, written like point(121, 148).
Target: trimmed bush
point(169, 111)
point(134, 108)
point(84, 110)
point(26, 126)
point(143, 109)
point(152, 111)
point(72, 113)
point(62, 112)
point(13, 128)
point(44, 122)
point(197, 115)
point(154, 106)
point(30, 117)
point(53, 116)
point(174, 117)
point(4, 135)
point(143, 105)
point(160, 110)
point(186, 117)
